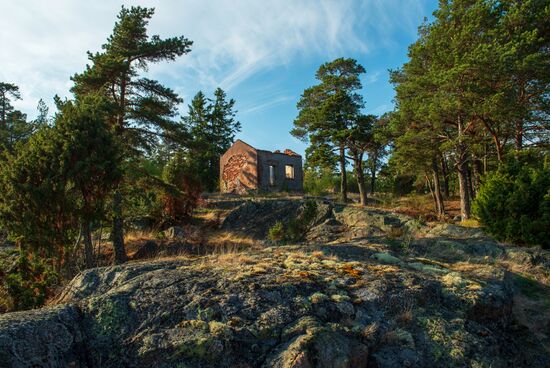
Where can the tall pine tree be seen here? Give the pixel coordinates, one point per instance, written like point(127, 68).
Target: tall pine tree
point(143, 108)
point(212, 124)
point(328, 109)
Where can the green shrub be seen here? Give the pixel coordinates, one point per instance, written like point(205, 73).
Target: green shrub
point(513, 203)
point(276, 232)
point(27, 283)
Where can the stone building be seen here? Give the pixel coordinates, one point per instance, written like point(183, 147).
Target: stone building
point(244, 168)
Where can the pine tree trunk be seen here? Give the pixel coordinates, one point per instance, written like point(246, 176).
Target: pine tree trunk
point(118, 230)
point(471, 190)
point(373, 174)
point(343, 176)
point(88, 246)
point(518, 136)
point(499, 149)
point(439, 204)
point(476, 172)
point(360, 179)
point(429, 185)
point(445, 173)
point(4, 125)
point(462, 170)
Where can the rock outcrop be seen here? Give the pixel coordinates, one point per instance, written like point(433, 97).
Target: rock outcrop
point(358, 303)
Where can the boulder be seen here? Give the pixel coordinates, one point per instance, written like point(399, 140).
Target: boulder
point(255, 218)
point(456, 232)
point(50, 337)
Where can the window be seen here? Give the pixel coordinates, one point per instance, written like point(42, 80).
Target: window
point(289, 171)
point(271, 175)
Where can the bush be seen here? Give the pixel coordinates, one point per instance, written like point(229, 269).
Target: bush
point(27, 283)
point(276, 232)
point(513, 203)
point(182, 194)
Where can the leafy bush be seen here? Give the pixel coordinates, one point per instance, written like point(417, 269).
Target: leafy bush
point(296, 228)
point(276, 232)
point(513, 203)
point(27, 283)
point(182, 194)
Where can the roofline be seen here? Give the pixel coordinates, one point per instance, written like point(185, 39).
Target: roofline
point(240, 140)
point(262, 150)
point(279, 153)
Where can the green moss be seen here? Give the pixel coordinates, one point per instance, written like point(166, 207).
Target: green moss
point(300, 327)
point(110, 315)
point(219, 329)
point(302, 303)
point(386, 258)
point(205, 314)
point(427, 268)
point(264, 332)
point(195, 324)
point(194, 349)
point(449, 340)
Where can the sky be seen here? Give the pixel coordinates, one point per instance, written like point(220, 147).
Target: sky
point(263, 53)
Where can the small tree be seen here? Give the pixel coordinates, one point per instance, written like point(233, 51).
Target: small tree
point(57, 182)
point(513, 203)
point(90, 160)
point(182, 187)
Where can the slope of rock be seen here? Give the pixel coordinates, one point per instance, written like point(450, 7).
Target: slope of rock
point(364, 302)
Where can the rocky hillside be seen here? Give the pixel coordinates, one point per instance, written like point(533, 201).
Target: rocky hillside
point(368, 288)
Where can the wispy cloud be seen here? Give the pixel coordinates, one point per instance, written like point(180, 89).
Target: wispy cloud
point(45, 42)
point(379, 110)
point(371, 78)
point(267, 104)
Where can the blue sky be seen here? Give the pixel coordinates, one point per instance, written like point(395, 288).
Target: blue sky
point(263, 53)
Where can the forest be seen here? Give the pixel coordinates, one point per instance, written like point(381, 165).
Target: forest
point(471, 124)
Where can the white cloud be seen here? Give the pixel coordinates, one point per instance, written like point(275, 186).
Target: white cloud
point(45, 42)
point(379, 110)
point(371, 78)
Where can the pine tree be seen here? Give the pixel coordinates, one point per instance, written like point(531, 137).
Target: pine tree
point(43, 110)
point(327, 110)
point(90, 160)
point(212, 124)
point(14, 127)
point(58, 181)
point(360, 139)
point(143, 108)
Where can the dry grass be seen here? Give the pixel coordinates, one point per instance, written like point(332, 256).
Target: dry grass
point(139, 235)
point(405, 318)
point(470, 223)
point(370, 331)
point(230, 258)
point(381, 269)
point(218, 241)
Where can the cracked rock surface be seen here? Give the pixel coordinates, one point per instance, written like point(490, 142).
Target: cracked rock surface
point(359, 302)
